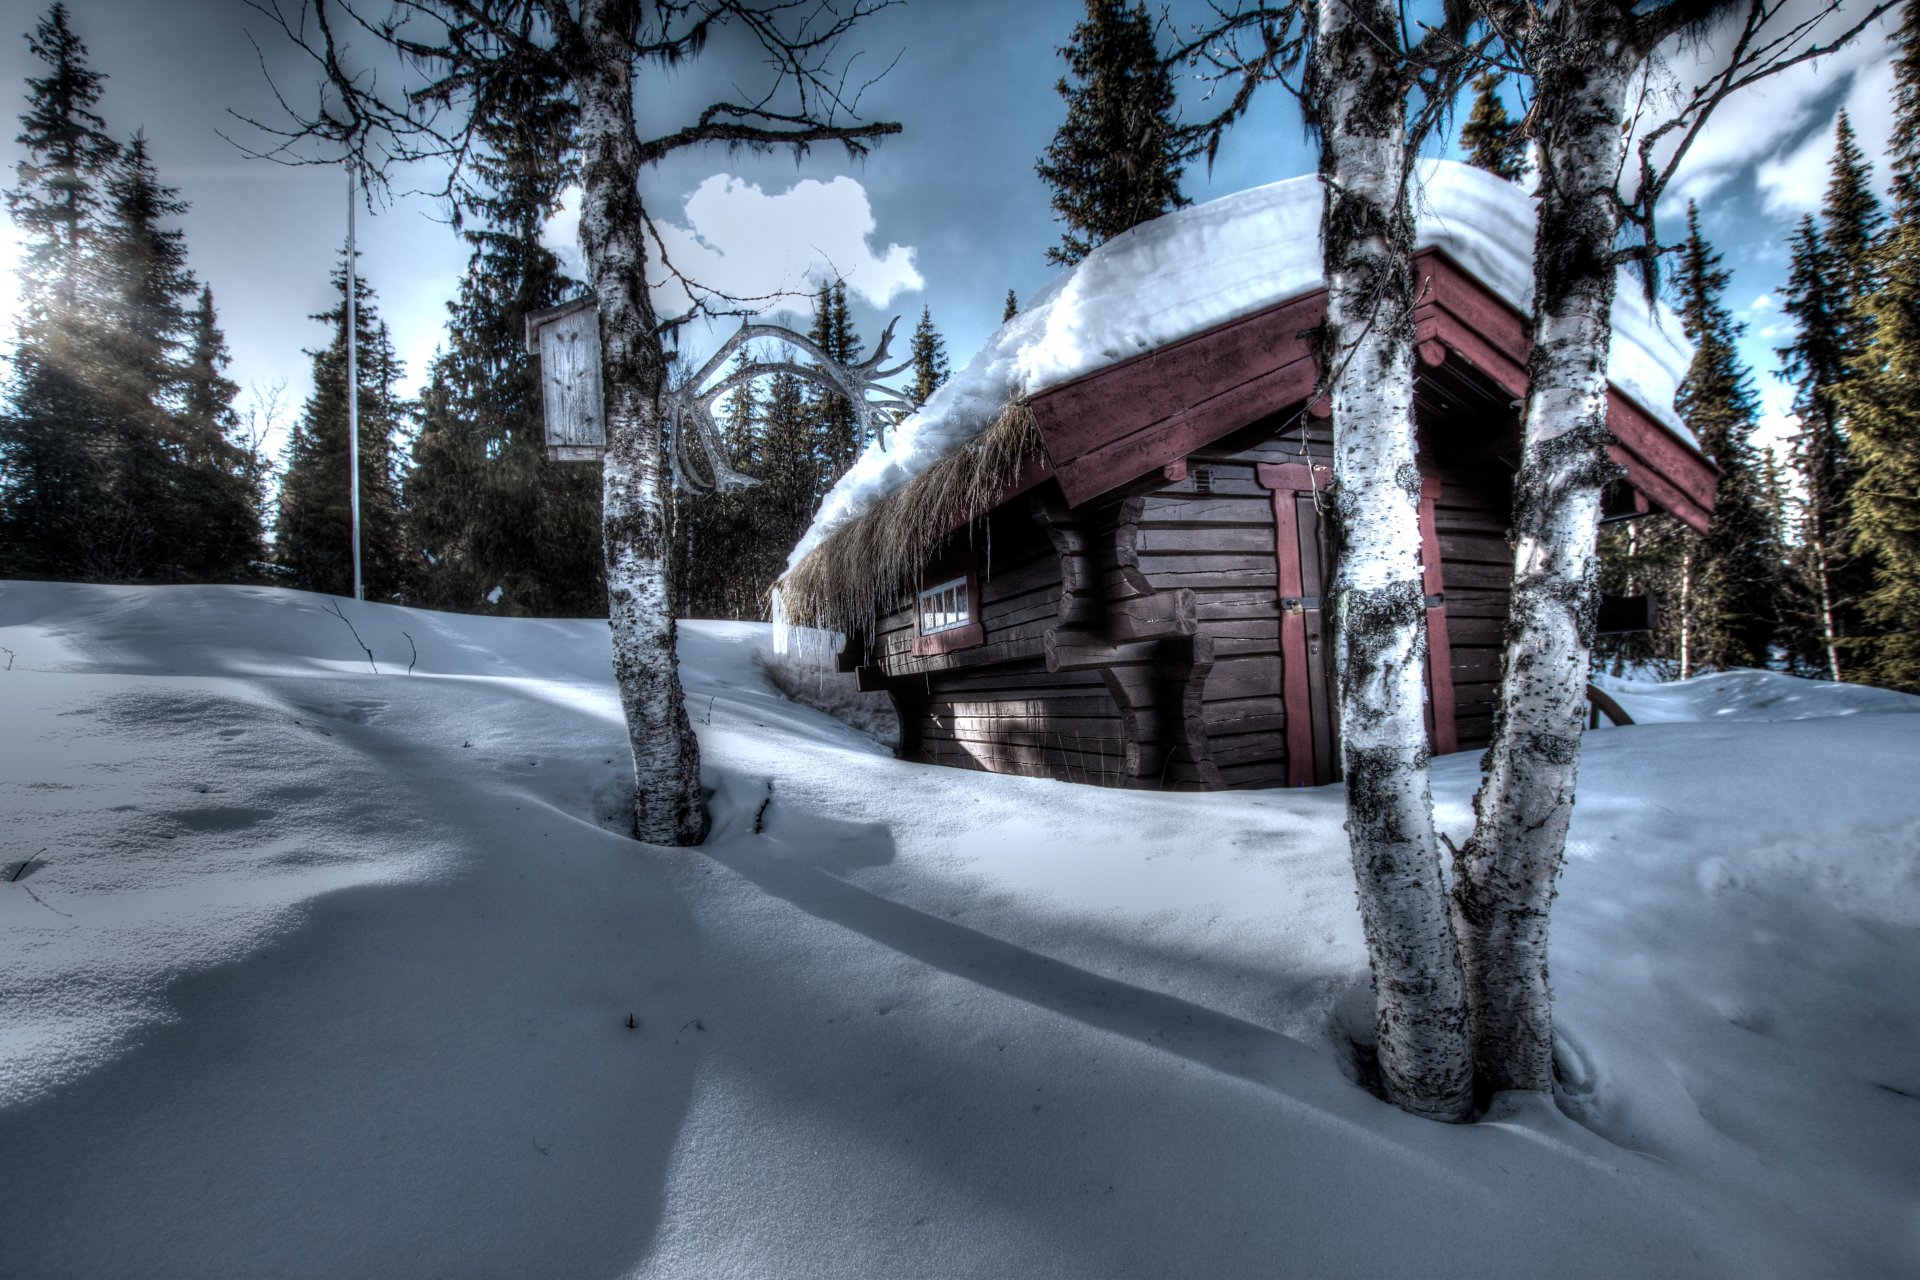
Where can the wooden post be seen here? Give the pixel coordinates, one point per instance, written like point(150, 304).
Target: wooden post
point(1445, 729)
point(1289, 481)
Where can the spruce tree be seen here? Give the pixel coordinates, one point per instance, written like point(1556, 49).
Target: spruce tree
point(839, 441)
point(224, 486)
point(503, 528)
point(929, 358)
point(313, 535)
point(1852, 212)
point(728, 553)
point(1012, 308)
point(143, 334)
point(1817, 363)
point(1733, 575)
point(56, 464)
point(1882, 406)
point(1490, 137)
point(1114, 163)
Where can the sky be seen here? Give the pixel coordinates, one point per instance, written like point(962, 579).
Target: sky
point(949, 215)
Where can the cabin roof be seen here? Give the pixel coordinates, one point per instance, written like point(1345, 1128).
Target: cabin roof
point(1192, 274)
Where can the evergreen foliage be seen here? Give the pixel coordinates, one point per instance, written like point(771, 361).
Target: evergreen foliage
point(1826, 578)
point(1114, 163)
point(929, 358)
point(314, 531)
point(1854, 218)
point(727, 563)
point(1490, 137)
point(1012, 308)
point(56, 464)
point(1732, 596)
point(1882, 407)
point(501, 527)
point(839, 440)
point(223, 483)
point(116, 455)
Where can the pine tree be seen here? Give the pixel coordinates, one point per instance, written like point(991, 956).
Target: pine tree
point(55, 461)
point(504, 528)
point(791, 476)
point(1490, 137)
point(1817, 363)
point(1012, 308)
point(731, 554)
point(313, 535)
point(1114, 162)
point(838, 429)
point(1882, 405)
point(1732, 576)
point(143, 333)
point(1852, 212)
point(224, 487)
point(929, 358)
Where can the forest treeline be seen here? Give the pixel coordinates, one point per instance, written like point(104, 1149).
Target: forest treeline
point(124, 455)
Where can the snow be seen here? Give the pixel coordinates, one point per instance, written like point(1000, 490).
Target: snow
point(1203, 266)
point(328, 972)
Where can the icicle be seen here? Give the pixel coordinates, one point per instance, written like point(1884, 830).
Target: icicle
point(800, 645)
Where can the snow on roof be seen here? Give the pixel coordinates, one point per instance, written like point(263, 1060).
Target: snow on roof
point(1211, 263)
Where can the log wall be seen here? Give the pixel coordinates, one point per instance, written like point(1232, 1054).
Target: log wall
point(1136, 640)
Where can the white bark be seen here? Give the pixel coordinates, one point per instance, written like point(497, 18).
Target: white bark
point(667, 805)
point(1505, 874)
point(1380, 638)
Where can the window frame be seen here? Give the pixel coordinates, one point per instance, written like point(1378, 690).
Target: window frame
point(962, 570)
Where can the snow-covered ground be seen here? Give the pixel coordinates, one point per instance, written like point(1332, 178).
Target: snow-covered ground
point(327, 972)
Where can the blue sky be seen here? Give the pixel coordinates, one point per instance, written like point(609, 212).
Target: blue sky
point(949, 215)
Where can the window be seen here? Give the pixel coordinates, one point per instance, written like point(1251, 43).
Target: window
point(944, 607)
point(946, 612)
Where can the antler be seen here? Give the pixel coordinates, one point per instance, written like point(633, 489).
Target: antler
point(700, 459)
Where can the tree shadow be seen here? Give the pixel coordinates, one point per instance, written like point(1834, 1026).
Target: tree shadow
point(1205, 1036)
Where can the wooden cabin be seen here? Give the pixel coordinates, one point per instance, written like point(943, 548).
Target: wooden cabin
point(1139, 602)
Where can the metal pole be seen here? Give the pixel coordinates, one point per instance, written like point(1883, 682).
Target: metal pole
point(353, 389)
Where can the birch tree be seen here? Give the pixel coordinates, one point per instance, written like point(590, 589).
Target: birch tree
point(1584, 59)
point(462, 58)
point(1361, 74)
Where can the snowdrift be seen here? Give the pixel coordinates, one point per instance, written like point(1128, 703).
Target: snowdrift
point(329, 972)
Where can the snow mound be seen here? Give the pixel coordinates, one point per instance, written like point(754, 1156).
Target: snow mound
point(1203, 266)
point(1749, 695)
point(328, 972)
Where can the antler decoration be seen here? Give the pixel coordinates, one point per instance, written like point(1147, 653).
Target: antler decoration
point(700, 457)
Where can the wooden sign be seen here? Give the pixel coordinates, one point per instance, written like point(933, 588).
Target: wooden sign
point(567, 340)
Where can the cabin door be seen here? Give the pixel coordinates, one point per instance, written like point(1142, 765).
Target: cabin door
point(1303, 570)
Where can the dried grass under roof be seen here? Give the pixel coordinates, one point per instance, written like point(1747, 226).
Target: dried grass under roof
point(859, 570)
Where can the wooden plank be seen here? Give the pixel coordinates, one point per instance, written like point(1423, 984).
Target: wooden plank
point(1243, 678)
point(1205, 509)
point(1477, 547)
point(1295, 690)
point(1135, 394)
point(1316, 570)
point(1214, 539)
point(1441, 725)
point(1108, 465)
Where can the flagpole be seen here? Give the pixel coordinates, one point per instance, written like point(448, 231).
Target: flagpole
point(353, 389)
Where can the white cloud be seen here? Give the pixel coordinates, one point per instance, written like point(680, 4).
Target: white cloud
point(735, 238)
point(1761, 303)
point(1794, 183)
point(1756, 124)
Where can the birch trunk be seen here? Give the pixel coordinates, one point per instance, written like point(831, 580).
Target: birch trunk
point(667, 805)
point(1380, 617)
point(1504, 876)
